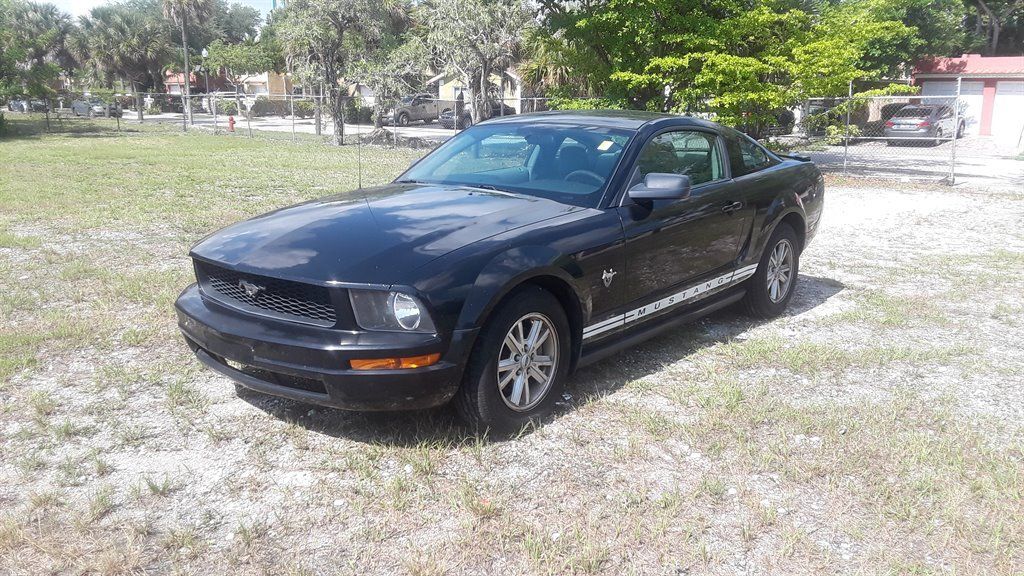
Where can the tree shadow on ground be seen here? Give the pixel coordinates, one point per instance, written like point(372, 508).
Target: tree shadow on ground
point(441, 427)
point(35, 127)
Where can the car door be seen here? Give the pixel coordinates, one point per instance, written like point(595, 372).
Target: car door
point(672, 242)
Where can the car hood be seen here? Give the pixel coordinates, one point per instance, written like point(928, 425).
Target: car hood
point(377, 235)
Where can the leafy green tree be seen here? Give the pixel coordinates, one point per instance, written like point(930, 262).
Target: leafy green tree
point(33, 41)
point(475, 39)
point(992, 17)
point(240, 60)
point(741, 63)
point(118, 41)
point(320, 39)
point(391, 70)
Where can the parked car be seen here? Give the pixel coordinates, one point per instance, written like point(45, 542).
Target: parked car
point(95, 107)
point(517, 251)
point(921, 123)
point(419, 107)
point(27, 105)
point(498, 109)
point(876, 128)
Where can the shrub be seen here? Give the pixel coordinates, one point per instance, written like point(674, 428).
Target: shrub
point(154, 109)
point(227, 107)
point(304, 109)
point(357, 114)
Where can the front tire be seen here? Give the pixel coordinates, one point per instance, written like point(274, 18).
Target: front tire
point(772, 285)
point(403, 119)
point(519, 365)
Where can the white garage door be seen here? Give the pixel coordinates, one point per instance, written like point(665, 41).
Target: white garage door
point(1008, 111)
point(971, 94)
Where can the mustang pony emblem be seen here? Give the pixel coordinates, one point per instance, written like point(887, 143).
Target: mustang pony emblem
point(251, 290)
point(607, 276)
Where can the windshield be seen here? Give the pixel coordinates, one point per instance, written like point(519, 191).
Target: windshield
point(913, 113)
point(565, 163)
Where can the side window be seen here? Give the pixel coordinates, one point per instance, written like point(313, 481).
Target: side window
point(746, 156)
point(687, 152)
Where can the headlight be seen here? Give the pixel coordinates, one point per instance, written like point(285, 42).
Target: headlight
point(389, 311)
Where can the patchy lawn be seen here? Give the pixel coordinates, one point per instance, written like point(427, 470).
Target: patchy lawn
point(874, 430)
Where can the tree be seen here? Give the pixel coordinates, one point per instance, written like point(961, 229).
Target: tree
point(33, 43)
point(119, 41)
point(992, 16)
point(239, 60)
point(476, 39)
point(181, 12)
point(740, 63)
point(321, 37)
point(391, 70)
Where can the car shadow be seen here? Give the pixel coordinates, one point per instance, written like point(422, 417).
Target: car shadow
point(441, 426)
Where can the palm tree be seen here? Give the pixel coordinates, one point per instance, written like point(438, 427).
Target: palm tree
point(119, 41)
point(181, 11)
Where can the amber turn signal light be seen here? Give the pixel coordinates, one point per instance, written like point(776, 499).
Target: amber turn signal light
point(395, 363)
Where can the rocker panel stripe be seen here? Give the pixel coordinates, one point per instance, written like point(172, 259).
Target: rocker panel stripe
point(690, 294)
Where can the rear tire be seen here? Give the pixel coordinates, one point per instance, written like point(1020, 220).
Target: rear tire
point(520, 396)
point(779, 267)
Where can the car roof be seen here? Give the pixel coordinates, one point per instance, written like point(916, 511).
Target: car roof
point(622, 119)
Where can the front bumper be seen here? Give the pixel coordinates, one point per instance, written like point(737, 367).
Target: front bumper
point(311, 364)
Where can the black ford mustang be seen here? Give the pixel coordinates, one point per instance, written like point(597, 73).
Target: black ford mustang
point(517, 251)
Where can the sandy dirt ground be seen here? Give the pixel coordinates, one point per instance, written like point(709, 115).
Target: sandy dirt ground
point(874, 429)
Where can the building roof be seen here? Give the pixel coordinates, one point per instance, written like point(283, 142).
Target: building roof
point(971, 65)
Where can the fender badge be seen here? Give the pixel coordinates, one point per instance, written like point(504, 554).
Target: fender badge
point(607, 276)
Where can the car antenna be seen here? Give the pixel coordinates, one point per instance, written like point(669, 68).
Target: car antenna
point(359, 149)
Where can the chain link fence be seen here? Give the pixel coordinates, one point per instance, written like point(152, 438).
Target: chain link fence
point(906, 137)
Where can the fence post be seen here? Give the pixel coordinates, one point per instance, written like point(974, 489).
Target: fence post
point(846, 141)
point(214, 106)
point(956, 131)
point(291, 103)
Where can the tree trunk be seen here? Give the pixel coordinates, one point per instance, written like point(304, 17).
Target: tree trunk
point(187, 101)
point(334, 105)
point(994, 42)
point(138, 100)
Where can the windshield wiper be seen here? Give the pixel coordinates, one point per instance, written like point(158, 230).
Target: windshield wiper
point(410, 181)
point(488, 187)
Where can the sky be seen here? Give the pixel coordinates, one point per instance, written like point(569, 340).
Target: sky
point(80, 7)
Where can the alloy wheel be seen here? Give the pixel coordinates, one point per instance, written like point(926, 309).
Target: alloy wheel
point(780, 271)
point(527, 362)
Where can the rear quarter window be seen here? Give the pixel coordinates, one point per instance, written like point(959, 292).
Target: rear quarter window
point(747, 156)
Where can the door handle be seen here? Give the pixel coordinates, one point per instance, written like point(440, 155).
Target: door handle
point(732, 207)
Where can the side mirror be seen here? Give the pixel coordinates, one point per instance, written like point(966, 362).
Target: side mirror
point(657, 186)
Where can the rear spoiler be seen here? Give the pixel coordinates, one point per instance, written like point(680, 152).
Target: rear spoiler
point(798, 157)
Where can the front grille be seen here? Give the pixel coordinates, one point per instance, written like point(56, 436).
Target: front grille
point(282, 298)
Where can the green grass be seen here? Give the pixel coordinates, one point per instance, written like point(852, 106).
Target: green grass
point(153, 175)
point(679, 456)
